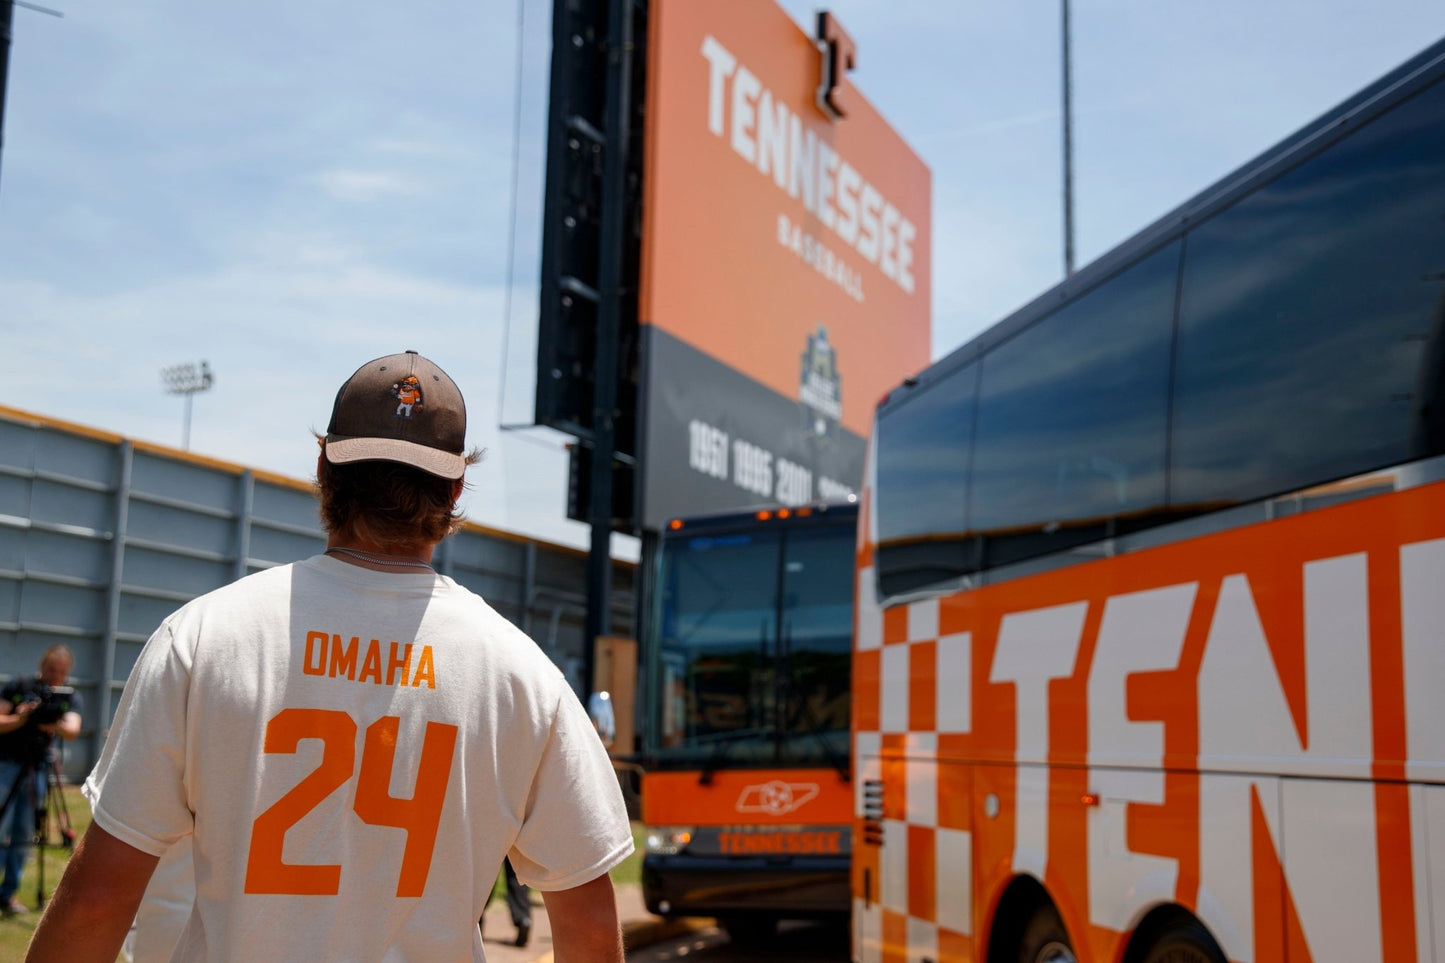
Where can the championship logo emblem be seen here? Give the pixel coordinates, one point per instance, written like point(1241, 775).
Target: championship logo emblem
point(820, 386)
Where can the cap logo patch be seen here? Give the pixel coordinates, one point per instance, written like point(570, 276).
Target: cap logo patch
point(407, 392)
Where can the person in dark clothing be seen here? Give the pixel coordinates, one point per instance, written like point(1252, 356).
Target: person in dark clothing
point(35, 710)
point(519, 904)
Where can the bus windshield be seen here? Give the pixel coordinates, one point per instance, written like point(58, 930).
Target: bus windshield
point(750, 646)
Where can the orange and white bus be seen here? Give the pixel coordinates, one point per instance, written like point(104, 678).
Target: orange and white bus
point(746, 652)
point(1150, 622)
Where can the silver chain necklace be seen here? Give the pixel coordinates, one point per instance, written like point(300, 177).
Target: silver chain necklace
point(380, 559)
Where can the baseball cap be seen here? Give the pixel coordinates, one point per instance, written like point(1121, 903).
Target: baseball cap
point(400, 408)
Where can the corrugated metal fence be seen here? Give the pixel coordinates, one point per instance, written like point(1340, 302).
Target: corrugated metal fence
point(102, 537)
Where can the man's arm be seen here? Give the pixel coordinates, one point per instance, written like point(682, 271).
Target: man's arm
point(92, 908)
point(584, 923)
point(12, 717)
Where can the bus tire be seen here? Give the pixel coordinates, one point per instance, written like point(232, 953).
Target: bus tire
point(1189, 943)
point(1044, 938)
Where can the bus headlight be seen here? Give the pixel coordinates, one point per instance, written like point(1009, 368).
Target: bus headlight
point(668, 840)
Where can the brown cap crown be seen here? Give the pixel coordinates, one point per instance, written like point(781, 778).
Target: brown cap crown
point(400, 408)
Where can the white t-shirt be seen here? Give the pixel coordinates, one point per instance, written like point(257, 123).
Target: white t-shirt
point(355, 752)
point(164, 909)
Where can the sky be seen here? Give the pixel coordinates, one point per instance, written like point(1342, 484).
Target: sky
point(287, 189)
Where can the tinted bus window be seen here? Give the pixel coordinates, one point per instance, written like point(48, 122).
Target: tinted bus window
point(752, 645)
point(816, 649)
point(716, 636)
point(922, 447)
point(1071, 418)
point(1307, 311)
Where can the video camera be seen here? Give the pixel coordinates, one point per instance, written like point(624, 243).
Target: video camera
point(29, 743)
point(50, 701)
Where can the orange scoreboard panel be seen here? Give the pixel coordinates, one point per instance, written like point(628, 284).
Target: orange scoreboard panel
point(786, 260)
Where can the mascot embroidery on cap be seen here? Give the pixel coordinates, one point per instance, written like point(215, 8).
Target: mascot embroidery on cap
point(407, 392)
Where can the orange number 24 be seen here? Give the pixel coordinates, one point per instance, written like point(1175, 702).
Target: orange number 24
point(268, 872)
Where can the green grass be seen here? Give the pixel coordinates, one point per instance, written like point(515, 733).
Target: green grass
point(630, 869)
point(627, 871)
point(15, 930)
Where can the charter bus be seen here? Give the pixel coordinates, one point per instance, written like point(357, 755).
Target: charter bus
point(1150, 645)
point(746, 792)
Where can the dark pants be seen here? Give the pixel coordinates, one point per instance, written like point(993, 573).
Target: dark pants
point(17, 822)
point(519, 898)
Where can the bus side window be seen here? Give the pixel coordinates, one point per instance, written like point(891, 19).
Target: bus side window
point(1071, 417)
point(1305, 317)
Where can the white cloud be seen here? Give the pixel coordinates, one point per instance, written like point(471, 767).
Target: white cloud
point(417, 148)
point(366, 186)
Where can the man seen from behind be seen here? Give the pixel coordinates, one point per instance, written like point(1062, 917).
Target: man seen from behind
point(354, 742)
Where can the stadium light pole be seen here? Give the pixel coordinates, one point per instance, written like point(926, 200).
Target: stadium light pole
point(187, 380)
point(1068, 147)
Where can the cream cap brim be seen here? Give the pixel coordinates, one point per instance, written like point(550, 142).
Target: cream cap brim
point(444, 464)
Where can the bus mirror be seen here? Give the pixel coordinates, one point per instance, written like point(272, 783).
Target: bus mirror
point(599, 708)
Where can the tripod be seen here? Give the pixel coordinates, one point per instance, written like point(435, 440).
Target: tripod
point(52, 808)
point(25, 789)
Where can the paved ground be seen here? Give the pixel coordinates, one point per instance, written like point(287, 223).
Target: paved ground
point(796, 941)
point(639, 927)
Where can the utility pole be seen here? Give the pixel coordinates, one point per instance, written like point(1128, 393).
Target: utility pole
point(7, 31)
point(7, 28)
point(1068, 150)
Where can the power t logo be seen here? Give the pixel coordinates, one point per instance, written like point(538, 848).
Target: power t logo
point(839, 53)
point(776, 798)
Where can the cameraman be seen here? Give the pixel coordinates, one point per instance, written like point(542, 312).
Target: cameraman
point(33, 711)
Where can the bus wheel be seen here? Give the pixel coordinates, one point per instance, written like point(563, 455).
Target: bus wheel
point(1045, 940)
point(1190, 943)
point(749, 930)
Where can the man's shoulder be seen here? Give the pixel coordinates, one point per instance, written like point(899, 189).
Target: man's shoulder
point(248, 594)
point(509, 644)
point(451, 595)
point(276, 578)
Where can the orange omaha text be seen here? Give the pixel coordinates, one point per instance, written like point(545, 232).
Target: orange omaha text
point(327, 654)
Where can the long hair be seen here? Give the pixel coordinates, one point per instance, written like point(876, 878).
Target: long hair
point(386, 502)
